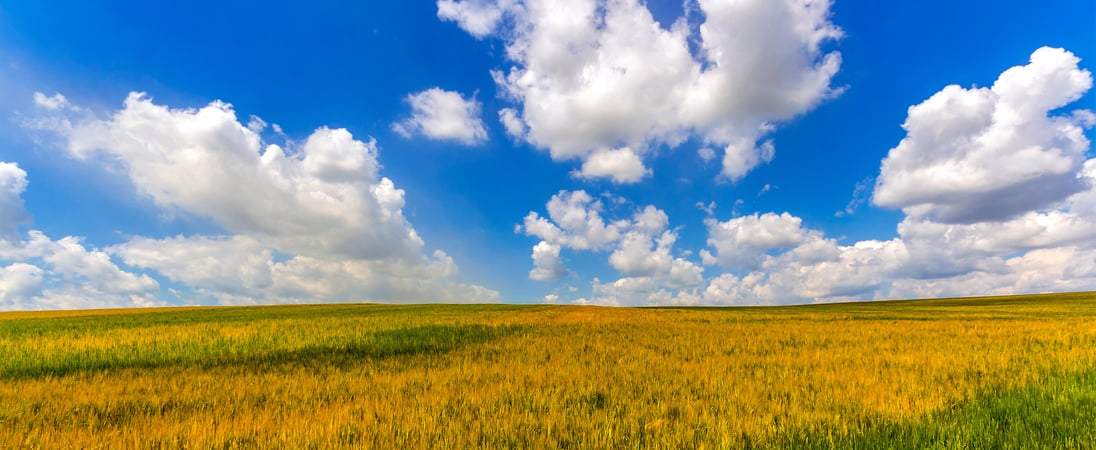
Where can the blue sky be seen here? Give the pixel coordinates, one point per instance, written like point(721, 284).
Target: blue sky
point(165, 199)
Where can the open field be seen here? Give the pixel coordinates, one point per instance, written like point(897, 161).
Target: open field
point(1015, 372)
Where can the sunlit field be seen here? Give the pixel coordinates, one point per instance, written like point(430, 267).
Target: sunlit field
point(1016, 372)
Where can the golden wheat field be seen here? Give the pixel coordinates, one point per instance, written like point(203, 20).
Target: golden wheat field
point(1003, 372)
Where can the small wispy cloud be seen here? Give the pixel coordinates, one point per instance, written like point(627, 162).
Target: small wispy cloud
point(860, 195)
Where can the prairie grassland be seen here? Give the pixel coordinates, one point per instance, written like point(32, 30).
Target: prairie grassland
point(990, 373)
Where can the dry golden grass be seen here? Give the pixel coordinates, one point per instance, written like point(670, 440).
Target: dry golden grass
point(539, 376)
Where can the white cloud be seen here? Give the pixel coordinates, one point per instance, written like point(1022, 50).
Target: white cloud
point(957, 248)
point(641, 291)
point(47, 274)
point(574, 220)
point(796, 265)
point(19, 282)
point(766, 188)
point(1046, 243)
point(1060, 269)
point(998, 196)
point(860, 194)
point(478, 17)
point(593, 75)
point(985, 154)
point(1047, 251)
point(515, 128)
point(642, 249)
point(13, 181)
point(309, 222)
point(240, 269)
point(256, 124)
point(706, 154)
point(235, 265)
point(740, 242)
point(547, 265)
point(707, 258)
point(622, 165)
point(740, 157)
point(443, 115)
point(325, 198)
point(69, 258)
point(708, 209)
point(636, 257)
point(54, 102)
point(650, 220)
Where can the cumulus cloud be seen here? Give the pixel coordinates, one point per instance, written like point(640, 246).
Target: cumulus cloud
point(622, 165)
point(443, 115)
point(547, 265)
point(241, 270)
point(798, 265)
point(593, 75)
point(19, 281)
point(574, 220)
point(998, 196)
point(740, 157)
point(69, 258)
point(774, 259)
point(965, 176)
point(638, 256)
point(308, 222)
point(741, 242)
point(985, 154)
point(233, 265)
point(39, 272)
point(13, 181)
point(641, 249)
point(322, 198)
point(1061, 269)
point(42, 273)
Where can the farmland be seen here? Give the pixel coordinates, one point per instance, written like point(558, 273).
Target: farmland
point(985, 372)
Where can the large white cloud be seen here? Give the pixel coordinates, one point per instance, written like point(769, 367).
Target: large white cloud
point(984, 154)
point(240, 269)
point(443, 115)
point(1041, 242)
point(324, 197)
point(305, 222)
point(780, 261)
point(599, 76)
point(1058, 269)
point(236, 265)
point(998, 196)
point(999, 200)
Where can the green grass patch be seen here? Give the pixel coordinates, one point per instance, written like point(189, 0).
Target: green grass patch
point(1059, 413)
point(255, 353)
